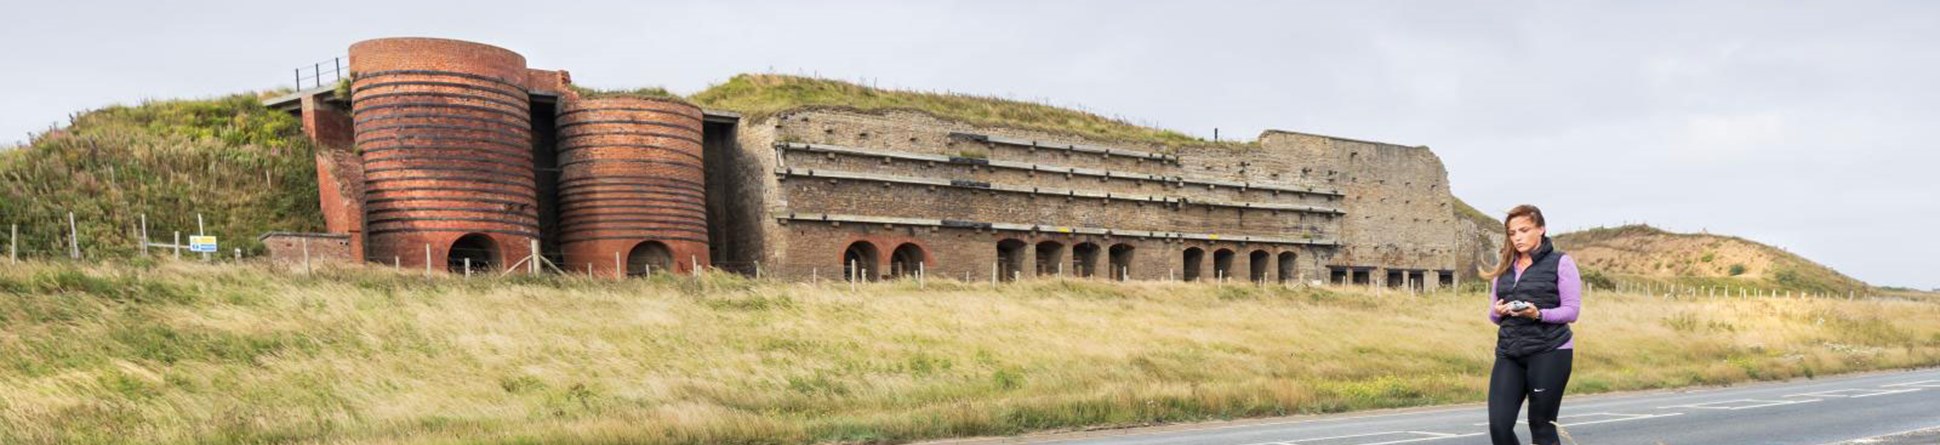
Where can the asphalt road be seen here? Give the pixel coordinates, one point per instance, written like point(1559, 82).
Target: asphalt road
point(1809, 412)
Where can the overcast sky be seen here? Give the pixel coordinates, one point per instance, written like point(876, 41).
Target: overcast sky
point(1805, 125)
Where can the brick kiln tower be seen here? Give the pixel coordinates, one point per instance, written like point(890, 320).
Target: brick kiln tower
point(631, 188)
point(444, 128)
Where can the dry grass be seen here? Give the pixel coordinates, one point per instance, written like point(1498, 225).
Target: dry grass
point(760, 95)
point(181, 352)
point(1642, 253)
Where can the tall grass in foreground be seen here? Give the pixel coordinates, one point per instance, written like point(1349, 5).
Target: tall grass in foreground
point(182, 352)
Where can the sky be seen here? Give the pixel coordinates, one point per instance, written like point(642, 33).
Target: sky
point(1806, 125)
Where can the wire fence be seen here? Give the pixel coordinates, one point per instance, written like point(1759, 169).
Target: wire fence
point(68, 240)
point(318, 73)
point(76, 239)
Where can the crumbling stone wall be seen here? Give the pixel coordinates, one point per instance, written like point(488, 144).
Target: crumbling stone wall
point(959, 191)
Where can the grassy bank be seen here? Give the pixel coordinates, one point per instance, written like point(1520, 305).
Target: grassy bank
point(182, 352)
point(245, 168)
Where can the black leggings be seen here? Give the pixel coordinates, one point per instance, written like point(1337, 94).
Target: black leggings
point(1541, 378)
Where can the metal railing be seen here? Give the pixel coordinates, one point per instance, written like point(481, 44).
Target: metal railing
point(329, 70)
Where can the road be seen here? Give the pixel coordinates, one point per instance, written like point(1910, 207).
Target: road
point(1809, 412)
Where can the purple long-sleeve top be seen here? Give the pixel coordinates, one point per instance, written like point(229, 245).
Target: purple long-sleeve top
point(1569, 286)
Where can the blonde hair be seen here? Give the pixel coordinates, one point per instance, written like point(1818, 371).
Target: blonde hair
point(1509, 247)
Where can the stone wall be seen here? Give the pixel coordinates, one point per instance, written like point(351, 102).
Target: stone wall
point(1400, 215)
point(832, 177)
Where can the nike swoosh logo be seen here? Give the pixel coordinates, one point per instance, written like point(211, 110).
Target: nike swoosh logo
point(1539, 389)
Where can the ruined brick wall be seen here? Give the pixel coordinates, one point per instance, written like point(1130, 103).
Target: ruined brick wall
point(975, 200)
point(340, 172)
point(1400, 215)
point(320, 248)
point(444, 129)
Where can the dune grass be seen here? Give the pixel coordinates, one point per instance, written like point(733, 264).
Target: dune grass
point(760, 95)
point(166, 352)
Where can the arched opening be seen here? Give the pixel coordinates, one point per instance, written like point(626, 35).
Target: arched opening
point(649, 257)
point(906, 260)
point(1084, 259)
point(859, 262)
point(1286, 267)
point(1050, 258)
point(1256, 265)
point(1223, 264)
point(1194, 257)
point(1010, 258)
point(476, 250)
point(1121, 262)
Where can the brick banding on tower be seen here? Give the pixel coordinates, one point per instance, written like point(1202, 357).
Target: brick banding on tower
point(632, 185)
point(444, 129)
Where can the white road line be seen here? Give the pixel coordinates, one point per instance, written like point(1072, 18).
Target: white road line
point(1431, 436)
point(1918, 384)
point(1854, 393)
point(1749, 404)
point(1619, 417)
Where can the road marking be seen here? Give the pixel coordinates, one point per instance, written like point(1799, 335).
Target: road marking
point(1614, 417)
point(1343, 440)
point(1740, 404)
point(1854, 393)
point(1919, 384)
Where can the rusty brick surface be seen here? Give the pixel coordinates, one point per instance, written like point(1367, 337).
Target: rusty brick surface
point(631, 173)
point(444, 130)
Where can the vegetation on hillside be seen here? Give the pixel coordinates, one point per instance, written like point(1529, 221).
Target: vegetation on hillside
point(759, 95)
point(180, 352)
point(1642, 253)
point(245, 168)
point(1483, 220)
point(647, 92)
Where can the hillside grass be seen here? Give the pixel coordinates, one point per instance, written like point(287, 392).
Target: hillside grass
point(1642, 254)
point(182, 352)
point(757, 96)
point(247, 169)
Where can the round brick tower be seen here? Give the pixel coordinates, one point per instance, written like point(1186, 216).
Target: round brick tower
point(445, 134)
point(631, 186)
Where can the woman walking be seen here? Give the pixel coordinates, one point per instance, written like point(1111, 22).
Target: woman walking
point(1535, 293)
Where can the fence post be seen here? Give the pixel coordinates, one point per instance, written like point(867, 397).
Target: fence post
point(993, 273)
point(534, 258)
point(697, 264)
point(199, 231)
point(306, 256)
point(144, 233)
point(427, 260)
point(238, 254)
point(468, 267)
point(757, 269)
point(619, 270)
point(921, 270)
point(73, 238)
point(178, 245)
